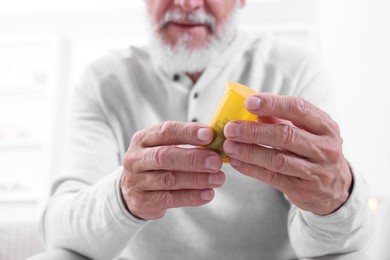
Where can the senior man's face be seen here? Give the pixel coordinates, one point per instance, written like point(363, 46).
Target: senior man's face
point(188, 35)
point(193, 23)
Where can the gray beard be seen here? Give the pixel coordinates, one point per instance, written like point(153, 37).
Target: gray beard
point(182, 59)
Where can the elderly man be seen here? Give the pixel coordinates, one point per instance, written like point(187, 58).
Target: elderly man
point(137, 185)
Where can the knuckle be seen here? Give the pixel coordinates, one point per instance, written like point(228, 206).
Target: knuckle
point(182, 199)
point(160, 155)
point(335, 154)
point(257, 173)
point(188, 131)
point(192, 180)
point(329, 126)
point(168, 180)
point(163, 129)
point(332, 153)
point(272, 104)
point(330, 181)
point(300, 106)
point(129, 161)
point(286, 134)
point(192, 160)
point(137, 137)
point(129, 181)
point(280, 162)
point(273, 178)
point(174, 199)
point(251, 171)
point(308, 172)
point(188, 198)
point(250, 130)
point(267, 176)
point(248, 151)
point(169, 129)
point(170, 199)
point(317, 151)
point(334, 127)
point(138, 199)
point(131, 158)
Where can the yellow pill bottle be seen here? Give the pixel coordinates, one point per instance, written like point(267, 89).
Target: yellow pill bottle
point(231, 107)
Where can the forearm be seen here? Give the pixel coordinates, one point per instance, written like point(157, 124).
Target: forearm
point(346, 230)
point(90, 220)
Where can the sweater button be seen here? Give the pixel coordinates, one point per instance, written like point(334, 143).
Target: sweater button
point(176, 77)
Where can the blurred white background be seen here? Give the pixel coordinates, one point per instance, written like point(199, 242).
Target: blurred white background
point(45, 45)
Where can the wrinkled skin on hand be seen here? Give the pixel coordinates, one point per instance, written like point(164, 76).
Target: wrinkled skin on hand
point(159, 173)
point(295, 147)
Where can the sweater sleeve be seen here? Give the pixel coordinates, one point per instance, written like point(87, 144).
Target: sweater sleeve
point(85, 213)
point(346, 230)
point(90, 219)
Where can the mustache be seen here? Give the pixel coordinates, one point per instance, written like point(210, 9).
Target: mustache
point(196, 17)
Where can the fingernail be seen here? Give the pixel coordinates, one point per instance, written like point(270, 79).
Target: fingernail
point(204, 134)
point(213, 163)
point(234, 162)
point(207, 195)
point(253, 103)
point(230, 148)
point(216, 179)
point(232, 130)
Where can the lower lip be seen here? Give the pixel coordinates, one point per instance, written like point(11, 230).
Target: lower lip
point(187, 27)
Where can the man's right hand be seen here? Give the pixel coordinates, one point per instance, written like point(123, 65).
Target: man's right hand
point(159, 174)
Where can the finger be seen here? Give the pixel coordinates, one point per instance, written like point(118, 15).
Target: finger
point(172, 133)
point(282, 136)
point(179, 198)
point(272, 120)
point(175, 180)
point(295, 109)
point(274, 160)
point(276, 180)
point(177, 159)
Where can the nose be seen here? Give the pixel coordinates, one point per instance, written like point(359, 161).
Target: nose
point(189, 5)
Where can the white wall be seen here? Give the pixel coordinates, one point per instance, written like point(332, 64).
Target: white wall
point(355, 44)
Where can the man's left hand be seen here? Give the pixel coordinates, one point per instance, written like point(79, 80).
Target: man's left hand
point(301, 155)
